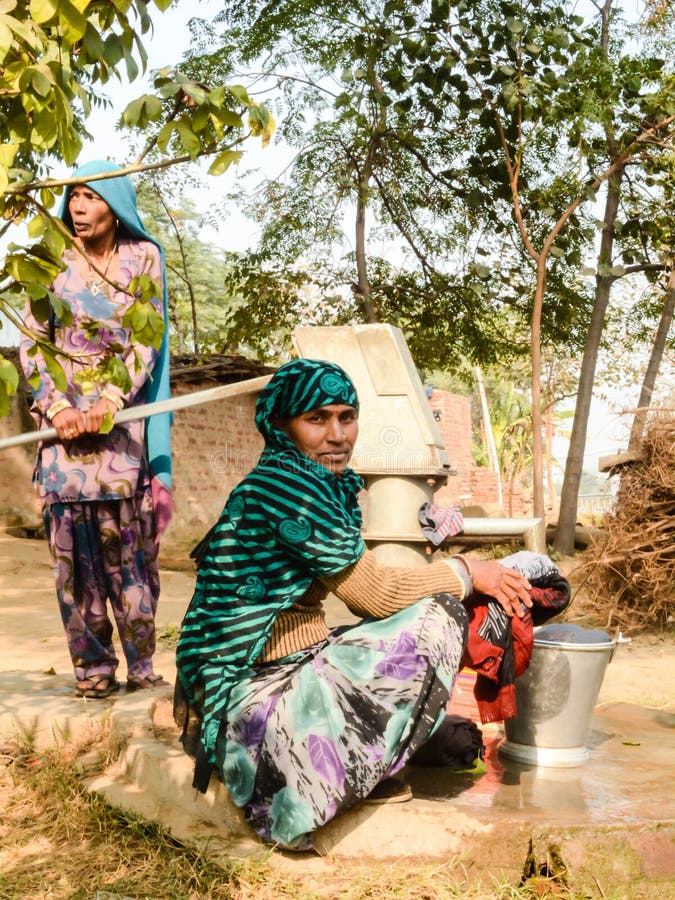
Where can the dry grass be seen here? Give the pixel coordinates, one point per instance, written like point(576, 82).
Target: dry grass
point(58, 841)
point(628, 577)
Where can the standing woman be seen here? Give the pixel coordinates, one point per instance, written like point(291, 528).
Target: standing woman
point(106, 497)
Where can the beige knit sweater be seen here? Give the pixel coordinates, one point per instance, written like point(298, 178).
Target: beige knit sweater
point(367, 588)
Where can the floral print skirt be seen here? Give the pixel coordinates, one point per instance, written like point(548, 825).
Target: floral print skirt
point(309, 736)
point(106, 552)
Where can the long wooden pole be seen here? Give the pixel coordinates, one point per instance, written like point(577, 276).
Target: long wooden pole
point(145, 410)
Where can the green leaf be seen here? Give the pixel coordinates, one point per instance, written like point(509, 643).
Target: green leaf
point(144, 109)
point(39, 302)
point(113, 49)
point(38, 293)
point(228, 117)
point(42, 80)
point(162, 5)
point(132, 65)
point(7, 154)
point(44, 132)
point(240, 93)
point(55, 370)
point(132, 112)
point(141, 318)
point(73, 23)
point(42, 11)
point(8, 375)
point(107, 424)
point(47, 197)
point(5, 402)
point(26, 270)
point(164, 136)
point(62, 310)
point(153, 107)
point(34, 381)
point(6, 39)
point(36, 227)
point(196, 92)
point(92, 44)
point(188, 138)
point(54, 241)
point(217, 95)
point(168, 88)
point(117, 373)
point(223, 161)
point(515, 25)
point(510, 93)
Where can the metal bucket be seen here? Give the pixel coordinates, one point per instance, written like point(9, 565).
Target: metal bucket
point(556, 695)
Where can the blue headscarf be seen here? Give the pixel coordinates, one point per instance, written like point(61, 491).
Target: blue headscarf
point(120, 196)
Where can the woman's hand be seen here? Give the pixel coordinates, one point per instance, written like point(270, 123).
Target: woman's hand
point(69, 424)
point(93, 418)
point(507, 586)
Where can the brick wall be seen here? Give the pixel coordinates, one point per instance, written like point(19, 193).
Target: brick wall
point(472, 485)
point(453, 418)
point(214, 446)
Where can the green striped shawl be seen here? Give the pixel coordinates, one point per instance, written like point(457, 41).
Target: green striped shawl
point(287, 523)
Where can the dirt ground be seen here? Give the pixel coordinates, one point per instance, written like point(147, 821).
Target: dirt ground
point(642, 670)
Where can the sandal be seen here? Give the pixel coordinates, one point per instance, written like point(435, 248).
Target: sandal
point(97, 686)
point(391, 790)
point(150, 681)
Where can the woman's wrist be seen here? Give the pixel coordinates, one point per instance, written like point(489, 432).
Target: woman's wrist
point(462, 567)
point(113, 397)
point(57, 407)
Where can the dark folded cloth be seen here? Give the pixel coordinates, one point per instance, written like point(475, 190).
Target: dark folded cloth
point(456, 744)
point(439, 523)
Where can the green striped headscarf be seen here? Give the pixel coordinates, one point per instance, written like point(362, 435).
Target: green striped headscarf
point(289, 522)
point(298, 387)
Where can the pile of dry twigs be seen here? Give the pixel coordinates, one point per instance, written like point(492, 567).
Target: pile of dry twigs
point(631, 570)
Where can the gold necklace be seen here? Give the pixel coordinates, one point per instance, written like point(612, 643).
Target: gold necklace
point(93, 282)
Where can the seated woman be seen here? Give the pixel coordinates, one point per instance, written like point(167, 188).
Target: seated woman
point(300, 722)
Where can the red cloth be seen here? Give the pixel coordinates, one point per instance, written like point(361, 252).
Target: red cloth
point(499, 648)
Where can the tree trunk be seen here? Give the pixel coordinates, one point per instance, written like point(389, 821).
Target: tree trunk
point(569, 495)
point(552, 495)
point(637, 431)
point(489, 435)
point(186, 274)
point(535, 348)
point(362, 282)
point(365, 175)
